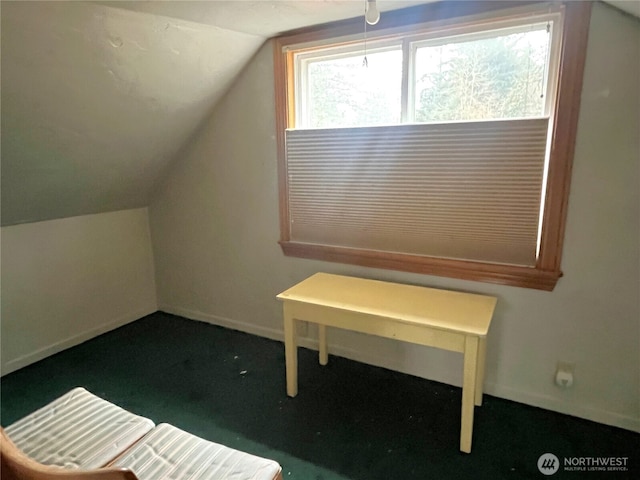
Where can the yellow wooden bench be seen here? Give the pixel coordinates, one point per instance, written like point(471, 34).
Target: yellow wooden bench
point(426, 316)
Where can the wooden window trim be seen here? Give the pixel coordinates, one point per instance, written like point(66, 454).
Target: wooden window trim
point(572, 59)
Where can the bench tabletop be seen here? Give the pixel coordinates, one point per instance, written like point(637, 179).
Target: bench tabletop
point(443, 309)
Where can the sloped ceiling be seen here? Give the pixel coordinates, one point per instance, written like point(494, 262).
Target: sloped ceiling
point(99, 97)
point(97, 100)
point(629, 6)
point(265, 18)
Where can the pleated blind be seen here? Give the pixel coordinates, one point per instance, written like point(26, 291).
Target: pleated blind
point(467, 190)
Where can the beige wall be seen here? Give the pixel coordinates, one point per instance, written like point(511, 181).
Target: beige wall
point(64, 281)
point(214, 227)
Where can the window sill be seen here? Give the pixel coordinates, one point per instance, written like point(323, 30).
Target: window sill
point(512, 275)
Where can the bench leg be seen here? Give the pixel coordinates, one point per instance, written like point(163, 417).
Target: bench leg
point(290, 352)
point(468, 391)
point(482, 353)
point(323, 347)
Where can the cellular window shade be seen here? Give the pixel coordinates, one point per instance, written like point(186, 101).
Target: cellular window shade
point(468, 190)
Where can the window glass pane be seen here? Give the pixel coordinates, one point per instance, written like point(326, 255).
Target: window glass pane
point(488, 78)
point(342, 92)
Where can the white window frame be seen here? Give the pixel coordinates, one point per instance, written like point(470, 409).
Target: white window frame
point(409, 45)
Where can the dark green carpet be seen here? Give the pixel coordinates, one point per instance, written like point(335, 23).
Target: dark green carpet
point(349, 421)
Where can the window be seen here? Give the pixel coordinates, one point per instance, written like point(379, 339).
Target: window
point(489, 74)
point(494, 74)
point(447, 153)
point(335, 90)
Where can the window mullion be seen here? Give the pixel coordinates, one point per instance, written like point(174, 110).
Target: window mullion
point(406, 112)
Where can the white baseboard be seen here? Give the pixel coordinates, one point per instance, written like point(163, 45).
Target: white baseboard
point(541, 401)
point(28, 359)
point(260, 331)
point(550, 403)
point(277, 334)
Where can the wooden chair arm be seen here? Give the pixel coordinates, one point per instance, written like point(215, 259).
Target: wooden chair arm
point(15, 465)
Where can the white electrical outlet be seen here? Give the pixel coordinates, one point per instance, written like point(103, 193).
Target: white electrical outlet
point(564, 374)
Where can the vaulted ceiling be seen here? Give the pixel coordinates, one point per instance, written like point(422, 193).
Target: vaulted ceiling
point(99, 97)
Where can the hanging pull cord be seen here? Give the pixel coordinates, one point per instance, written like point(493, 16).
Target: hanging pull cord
point(546, 66)
point(365, 62)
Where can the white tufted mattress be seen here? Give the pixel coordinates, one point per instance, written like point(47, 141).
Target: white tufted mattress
point(169, 453)
point(78, 430)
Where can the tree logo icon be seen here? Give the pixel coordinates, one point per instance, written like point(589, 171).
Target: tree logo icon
point(548, 464)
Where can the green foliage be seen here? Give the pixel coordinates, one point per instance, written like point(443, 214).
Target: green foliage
point(345, 93)
point(493, 78)
point(488, 78)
